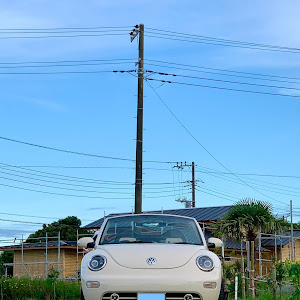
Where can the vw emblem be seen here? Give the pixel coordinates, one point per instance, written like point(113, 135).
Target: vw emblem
point(114, 296)
point(188, 297)
point(151, 261)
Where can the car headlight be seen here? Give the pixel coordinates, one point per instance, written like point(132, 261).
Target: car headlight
point(205, 263)
point(97, 262)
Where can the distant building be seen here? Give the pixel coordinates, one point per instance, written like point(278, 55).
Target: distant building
point(37, 259)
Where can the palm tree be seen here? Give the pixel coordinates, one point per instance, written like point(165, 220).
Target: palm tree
point(245, 219)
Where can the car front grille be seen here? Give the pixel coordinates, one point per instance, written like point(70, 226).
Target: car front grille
point(181, 296)
point(122, 296)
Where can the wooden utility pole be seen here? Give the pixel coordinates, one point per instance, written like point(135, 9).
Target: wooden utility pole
point(139, 129)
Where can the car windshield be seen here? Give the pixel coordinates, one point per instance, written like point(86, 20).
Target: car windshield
point(151, 229)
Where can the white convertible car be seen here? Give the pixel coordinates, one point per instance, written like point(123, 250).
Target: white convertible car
point(151, 254)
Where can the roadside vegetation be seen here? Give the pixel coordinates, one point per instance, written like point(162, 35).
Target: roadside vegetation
point(39, 289)
point(287, 285)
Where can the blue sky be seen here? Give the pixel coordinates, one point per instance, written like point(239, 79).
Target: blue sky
point(95, 113)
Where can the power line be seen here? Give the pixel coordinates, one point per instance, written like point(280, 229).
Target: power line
point(202, 146)
point(39, 217)
point(68, 61)
point(76, 152)
point(223, 42)
point(224, 88)
point(25, 222)
point(67, 28)
point(274, 188)
point(255, 174)
point(260, 188)
point(225, 70)
point(221, 80)
point(167, 32)
point(61, 36)
point(79, 196)
point(65, 72)
point(62, 31)
point(77, 179)
point(222, 74)
point(18, 66)
point(78, 185)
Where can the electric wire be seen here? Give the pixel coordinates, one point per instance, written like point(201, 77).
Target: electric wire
point(222, 74)
point(224, 70)
point(78, 153)
point(62, 36)
point(81, 196)
point(212, 171)
point(261, 187)
point(76, 179)
point(39, 217)
point(68, 61)
point(196, 36)
point(223, 43)
point(221, 80)
point(225, 88)
point(67, 28)
point(161, 190)
point(204, 148)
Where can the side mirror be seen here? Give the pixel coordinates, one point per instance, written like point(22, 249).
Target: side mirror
point(214, 243)
point(83, 242)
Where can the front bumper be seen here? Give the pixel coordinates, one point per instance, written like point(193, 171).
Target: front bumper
point(185, 279)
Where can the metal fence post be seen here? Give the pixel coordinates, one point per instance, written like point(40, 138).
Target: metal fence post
point(22, 257)
point(58, 253)
point(259, 253)
point(77, 260)
point(46, 265)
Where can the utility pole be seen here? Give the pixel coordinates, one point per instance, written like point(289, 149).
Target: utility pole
point(139, 129)
point(193, 182)
point(292, 232)
point(193, 185)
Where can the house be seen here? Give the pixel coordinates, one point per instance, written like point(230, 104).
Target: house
point(37, 259)
point(203, 215)
point(280, 245)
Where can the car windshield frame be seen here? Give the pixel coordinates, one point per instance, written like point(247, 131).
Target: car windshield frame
point(145, 229)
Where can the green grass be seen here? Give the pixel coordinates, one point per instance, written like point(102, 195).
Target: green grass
point(38, 289)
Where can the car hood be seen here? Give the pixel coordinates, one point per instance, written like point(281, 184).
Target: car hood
point(167, 256)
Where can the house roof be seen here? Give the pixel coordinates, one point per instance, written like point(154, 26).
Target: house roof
point(40, 245)
point(283, 239)
point(201, 214)
point(231, 244)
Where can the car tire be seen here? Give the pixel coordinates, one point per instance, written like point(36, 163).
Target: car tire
point(81, 295)
point(223, 295)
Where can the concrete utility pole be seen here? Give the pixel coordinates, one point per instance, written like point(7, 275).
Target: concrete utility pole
point(193, 182)
point(193, 185)
point(139, 129)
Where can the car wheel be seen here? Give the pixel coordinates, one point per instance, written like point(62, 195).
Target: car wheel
point(81, 295)
point(223, 295)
